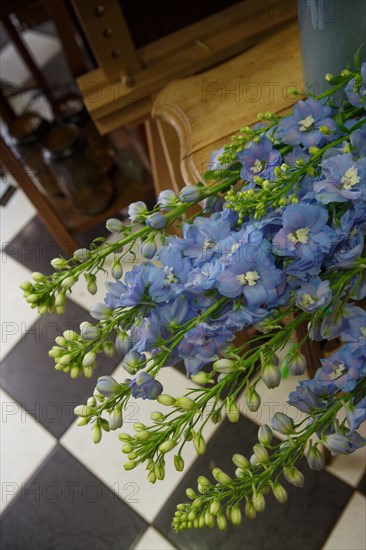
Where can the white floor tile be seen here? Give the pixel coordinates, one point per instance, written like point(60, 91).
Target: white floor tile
point(43, 48)
point(24, 446)
point(15, 215)
point(16, 314)
point(106, 461)
point(152, 540)
point(350, 531)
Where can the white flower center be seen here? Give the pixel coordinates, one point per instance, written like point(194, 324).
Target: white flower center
point(208, 244)
point(249, 278)
point(350, 178)
point(257, 166)
point(340, 369)
point(306, 123)
point(234, 248)
point(307, 300)
point(299, 236)
point(363, 331)
point(171, 278)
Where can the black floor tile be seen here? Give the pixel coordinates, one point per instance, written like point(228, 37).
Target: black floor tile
point(28, 374)
point(303, 523)
point(362, 485)
point(34, 247)
point(65, 507)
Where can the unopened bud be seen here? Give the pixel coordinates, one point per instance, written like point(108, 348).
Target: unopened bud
point(265, 435)
point(271, 375)
point(260, 453)
point(279, 493)
point(185, 403)
point(167, 446)
point(178, 463)
point(282, 423)
point(199, 444)
point(165, 399)
point(232, 410)
point(97, 433)
point(224, 366)
point(315, 458)
point(252, 399)
point(221, 477)
point(293, 476)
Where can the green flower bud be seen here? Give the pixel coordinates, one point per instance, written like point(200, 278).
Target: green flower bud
point(250, 510)
point(108, 348)
point(192, 515)
point(83, 410)
point(202, 480)
point(185, 403)
point(239, 473)
point(167, 446)
point(117, 270)
point(259, 502)
point(221, 522)
point(130, 465)
point(224, 366)
point(139, 427)
point(221, 477)
point(178, 463)
point(240, 461)
point(97, 433)
point(260, 453)
point(116, 419)
point(232, 410)
point(26, 285)
point(151, 477)
point(199, 444)
point(252, 399)
point(144, 435)
point(68, 282)
point(324, 130)
point(38, 277)
point(75, 372)
point(92, 287)
point(271, 375)
point(190, 493)
point(283, 424)
point(82, 421)
point(216, 417)
point(265, 435)
point(209, 519)
point(89, 359)
point(124, 437)
point(81, 255)
point(159, 472)
point(315, 458)
point(59, 263)
point(293, 476)
point(215, 507)
point(279, 492)
point(33, 298)
point(165, 399)
point(91, 401)
point(157, 416)
point(104, 424)
point(201, 378)
point(114, 225)
point(236, 517)
point(88, 372)
point(197, 503)
point(313, 150)
point(127, 448)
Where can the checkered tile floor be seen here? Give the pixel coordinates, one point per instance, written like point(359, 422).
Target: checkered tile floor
point(59, 490)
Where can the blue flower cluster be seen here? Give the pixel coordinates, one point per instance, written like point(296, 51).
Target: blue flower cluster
point(260, 263)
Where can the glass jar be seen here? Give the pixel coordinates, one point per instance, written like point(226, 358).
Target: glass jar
point(81, 171)
point(25, 133)
point(331, 32)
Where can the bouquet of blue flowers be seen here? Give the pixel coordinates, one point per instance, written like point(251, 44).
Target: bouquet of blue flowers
point(278, 244)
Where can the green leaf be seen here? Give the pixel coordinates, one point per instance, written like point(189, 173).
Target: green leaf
point(357, 61)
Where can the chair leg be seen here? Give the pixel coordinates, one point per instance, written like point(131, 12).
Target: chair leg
point(47, 214)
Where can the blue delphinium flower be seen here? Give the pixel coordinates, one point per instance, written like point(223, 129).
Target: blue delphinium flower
point(343, 179)
point(358, 142)
point(145, 386)
point(202, 344)
point(131, 291)
point(309, 396)
point(251, 271)
point(339, 442)
point(313, 295)
point(341, 371)
point(356, 89)
point(133, 361)
point(303, 127)
point(259, 159)
point(168, 281)
point(356, 414)
point(305, 233)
